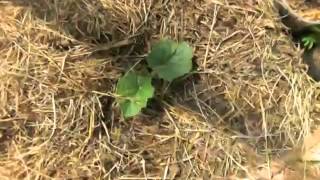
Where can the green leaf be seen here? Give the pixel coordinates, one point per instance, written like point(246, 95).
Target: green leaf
point(134, 91)
point(170, 60)
point(309, 41)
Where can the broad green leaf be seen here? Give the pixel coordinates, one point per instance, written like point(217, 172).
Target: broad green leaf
point(134, 91)
point(170, 60)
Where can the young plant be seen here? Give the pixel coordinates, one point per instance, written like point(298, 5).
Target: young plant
point(168, 60)
point(309, 41)
point(311, 38)
point(134, 91)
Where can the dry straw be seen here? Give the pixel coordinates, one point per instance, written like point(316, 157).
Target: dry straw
point(60, 61)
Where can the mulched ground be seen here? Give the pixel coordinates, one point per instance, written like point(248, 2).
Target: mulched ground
point(308, 10)
point(60, 61)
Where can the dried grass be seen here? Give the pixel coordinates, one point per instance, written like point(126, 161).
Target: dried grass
point(60, 61)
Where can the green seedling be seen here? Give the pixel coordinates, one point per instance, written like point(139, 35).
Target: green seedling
point(311, 37)
point(134, 91)
point(168, 60)
point(309, 41)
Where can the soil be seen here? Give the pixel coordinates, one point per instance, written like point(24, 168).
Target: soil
point(312, 58)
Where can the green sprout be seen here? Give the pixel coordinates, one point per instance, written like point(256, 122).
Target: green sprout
point(168, 60)
point(309, 41)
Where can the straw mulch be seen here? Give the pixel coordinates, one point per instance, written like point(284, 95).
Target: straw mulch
point(60, 61)
point(307, 9)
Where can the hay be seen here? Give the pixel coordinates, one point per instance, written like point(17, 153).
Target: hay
point(309, 10)
point(60, 61)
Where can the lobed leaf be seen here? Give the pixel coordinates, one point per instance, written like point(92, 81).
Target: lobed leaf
point(170, 60)
point(134, 91)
